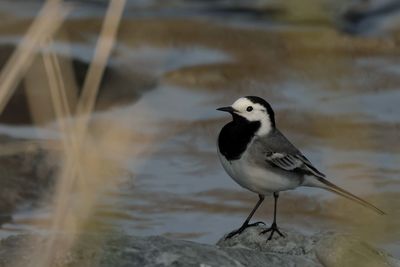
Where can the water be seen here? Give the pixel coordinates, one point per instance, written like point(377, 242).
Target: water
point(336, 97)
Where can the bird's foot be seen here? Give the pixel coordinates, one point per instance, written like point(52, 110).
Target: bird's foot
point(272, 229)
point(242, 228)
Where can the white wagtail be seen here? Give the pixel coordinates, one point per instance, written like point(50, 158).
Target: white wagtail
point(261, 159)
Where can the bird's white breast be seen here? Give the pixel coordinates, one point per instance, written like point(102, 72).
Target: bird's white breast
point(257, 178)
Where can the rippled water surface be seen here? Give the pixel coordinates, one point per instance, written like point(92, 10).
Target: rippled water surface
point(336, 96)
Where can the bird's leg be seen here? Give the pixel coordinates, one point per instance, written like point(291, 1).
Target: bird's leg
point(246, 222)
point(274, 226)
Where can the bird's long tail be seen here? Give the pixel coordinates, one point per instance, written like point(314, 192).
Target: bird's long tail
point(325, 184)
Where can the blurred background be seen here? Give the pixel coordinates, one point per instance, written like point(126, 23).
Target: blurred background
point(125, 139)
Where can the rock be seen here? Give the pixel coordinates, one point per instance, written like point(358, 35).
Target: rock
point(119, 86)
point(344, 250)
point(370, 17)
point(322, 249)
point(120, 250)
point(248, 249)
point(25, 172)
point(294, 243)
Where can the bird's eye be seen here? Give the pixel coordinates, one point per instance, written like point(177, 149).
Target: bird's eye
point(249, 108)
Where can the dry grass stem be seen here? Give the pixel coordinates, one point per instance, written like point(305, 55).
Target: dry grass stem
point(46, 24)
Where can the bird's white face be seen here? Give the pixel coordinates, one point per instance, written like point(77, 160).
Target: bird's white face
point(253, 112)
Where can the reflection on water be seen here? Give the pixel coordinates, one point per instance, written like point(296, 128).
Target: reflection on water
point(335, 96)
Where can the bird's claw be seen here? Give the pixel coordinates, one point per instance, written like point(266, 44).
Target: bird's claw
point(272, 229)
point(242, 228)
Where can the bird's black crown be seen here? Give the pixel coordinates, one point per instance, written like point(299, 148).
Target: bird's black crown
point(262, 102)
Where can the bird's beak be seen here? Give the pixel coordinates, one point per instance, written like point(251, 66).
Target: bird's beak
point(227, 109)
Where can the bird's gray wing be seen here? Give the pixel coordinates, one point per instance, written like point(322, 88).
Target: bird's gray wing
point(292, 162)
point(279, 152)
point(276, 151)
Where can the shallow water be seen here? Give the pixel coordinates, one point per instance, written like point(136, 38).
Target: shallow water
point(335, 96)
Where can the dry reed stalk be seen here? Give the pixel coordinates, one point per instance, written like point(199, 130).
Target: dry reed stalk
point(75, 172)
point(46, 24)
point(96, 69)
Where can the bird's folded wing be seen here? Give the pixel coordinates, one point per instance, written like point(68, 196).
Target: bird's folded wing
point(279, 152)
point(292, 162)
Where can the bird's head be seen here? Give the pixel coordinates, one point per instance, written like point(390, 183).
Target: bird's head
point(253, 109)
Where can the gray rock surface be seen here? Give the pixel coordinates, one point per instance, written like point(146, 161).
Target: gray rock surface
point(248, 249)
point(322, 249)
point(25, 173)
point(119, 86)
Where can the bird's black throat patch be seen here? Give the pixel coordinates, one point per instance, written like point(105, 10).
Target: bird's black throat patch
point(235, 136)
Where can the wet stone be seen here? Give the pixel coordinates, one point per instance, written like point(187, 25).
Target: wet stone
point(322, 249)
point(26, 172)
point(247, 249)
point(119, 86)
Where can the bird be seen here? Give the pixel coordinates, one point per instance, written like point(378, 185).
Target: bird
point(257, 156)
